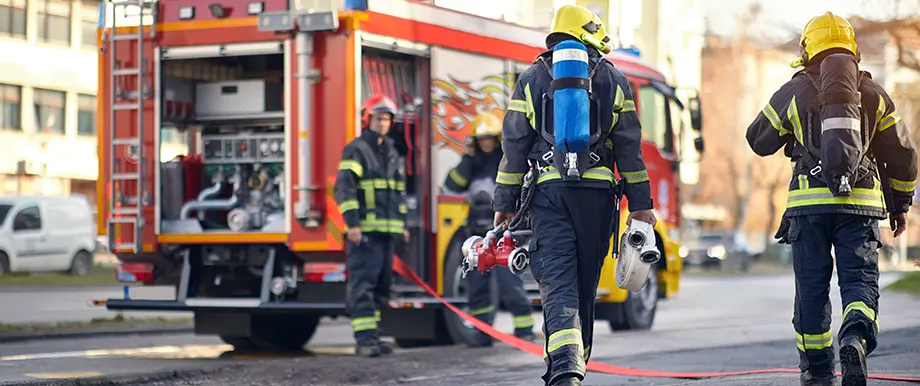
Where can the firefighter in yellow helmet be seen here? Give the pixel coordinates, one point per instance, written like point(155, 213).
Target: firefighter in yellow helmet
point(475, 177)
point(572, 219)
point(855, 164)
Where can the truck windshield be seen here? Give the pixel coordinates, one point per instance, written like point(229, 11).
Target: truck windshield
point(4, 211)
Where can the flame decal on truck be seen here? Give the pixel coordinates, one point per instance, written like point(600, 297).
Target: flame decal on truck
point(456, 103)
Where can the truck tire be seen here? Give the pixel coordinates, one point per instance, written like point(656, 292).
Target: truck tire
point(276, 333)
point(81, 264)
point(4, 264)
point(638, 311)
point(460, 332)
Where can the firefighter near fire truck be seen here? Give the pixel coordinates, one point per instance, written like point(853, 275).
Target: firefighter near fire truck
point(475, 176)
point(854, 164)
point(370, 191)
point(559, 164)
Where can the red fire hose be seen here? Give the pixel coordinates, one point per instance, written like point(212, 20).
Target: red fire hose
point(402, 269)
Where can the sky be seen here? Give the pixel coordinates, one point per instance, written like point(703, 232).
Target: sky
point(781, 16)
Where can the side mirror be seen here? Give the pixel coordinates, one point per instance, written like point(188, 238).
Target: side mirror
point(696, 112)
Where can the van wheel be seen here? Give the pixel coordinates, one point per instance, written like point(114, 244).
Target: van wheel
point(81, 264)
point(4, 264)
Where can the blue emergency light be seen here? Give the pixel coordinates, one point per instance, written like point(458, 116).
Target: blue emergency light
point(631, 50)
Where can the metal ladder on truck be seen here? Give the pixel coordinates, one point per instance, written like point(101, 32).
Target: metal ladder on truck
point(127, 208)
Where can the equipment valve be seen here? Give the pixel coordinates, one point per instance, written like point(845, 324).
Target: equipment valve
point(491, 251)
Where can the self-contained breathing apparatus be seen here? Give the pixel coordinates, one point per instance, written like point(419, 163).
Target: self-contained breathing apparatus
point(843, 158)
point(572, 151)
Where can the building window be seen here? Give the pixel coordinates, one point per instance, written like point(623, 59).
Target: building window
point(49, 110)
point(53, 19)
point(88, 26)
point(13, 17)
point(86, 115)
point(10, 107)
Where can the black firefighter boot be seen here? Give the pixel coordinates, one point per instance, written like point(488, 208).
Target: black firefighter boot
point(853, 360)
point(807, 379)
point(367, 349)
point(567, 380)
point(384, 347)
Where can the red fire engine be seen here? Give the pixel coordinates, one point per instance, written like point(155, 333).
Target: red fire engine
point(221, 127)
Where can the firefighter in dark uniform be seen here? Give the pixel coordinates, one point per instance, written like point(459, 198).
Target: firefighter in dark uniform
point(816, 219)
point(475, 175)
point(572, 221)
point(370, 190)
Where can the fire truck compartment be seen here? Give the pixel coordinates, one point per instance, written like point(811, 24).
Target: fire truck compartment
point(233, 177)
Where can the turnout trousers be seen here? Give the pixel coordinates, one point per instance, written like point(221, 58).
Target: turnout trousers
point(370, 274)
point(572, 229)
point(511, 293)
point(855, 240)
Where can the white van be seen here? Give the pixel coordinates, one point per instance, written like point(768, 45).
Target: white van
point(46, 233)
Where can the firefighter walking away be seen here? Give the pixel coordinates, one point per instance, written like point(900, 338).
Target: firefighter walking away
point(370, 189)
point(854, 164)
point(572, 203)
point(475, 176)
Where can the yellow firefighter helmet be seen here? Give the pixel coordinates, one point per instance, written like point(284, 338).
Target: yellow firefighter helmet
point(584, 25)
point(484, 125)
point(824, 32)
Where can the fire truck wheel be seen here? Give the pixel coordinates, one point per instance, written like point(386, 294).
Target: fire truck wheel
point(638, 311)
point(276, 333)
point(454, 286)
point(4, 264)
point(81, 264)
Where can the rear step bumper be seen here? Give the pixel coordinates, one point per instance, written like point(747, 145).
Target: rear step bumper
point(253, 305)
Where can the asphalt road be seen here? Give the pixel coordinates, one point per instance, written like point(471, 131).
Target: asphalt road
point(717, 323)
point(56, 304)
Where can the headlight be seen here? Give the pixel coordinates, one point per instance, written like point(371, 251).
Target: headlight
point(683, 252)
point(717, 252)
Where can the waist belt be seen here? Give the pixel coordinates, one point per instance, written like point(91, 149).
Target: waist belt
point(598, 173)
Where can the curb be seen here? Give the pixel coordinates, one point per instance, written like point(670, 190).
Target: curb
point(51, 335)
point(126, 379)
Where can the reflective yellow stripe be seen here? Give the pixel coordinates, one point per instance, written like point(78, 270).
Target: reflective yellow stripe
point(562, 338)
point(773, 117)
point(609, 144)
point(865, 309)
point(509, 178)
point(380, 183)
point(523, 321)
point(457, 178)
point(603, 173)
point(403, 208)
point(793, 114)
point(803, 182)
point(353, 166)
point(823, 196)
point(628, 105)
point(348, 205)
point(635, 177)
point(530, 107)
point(518, 105)
point(377, 315)
point(618, 99)
point(372, 224)
point(881, 109)
point(364, 323)
point(482, 310)
point(902, 186)
point(814, 341)
point(587, 353)
point(888, 121)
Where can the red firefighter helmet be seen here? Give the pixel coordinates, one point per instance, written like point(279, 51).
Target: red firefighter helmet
point(376, 104)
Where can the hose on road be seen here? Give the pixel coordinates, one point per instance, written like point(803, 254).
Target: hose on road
point(403, 270)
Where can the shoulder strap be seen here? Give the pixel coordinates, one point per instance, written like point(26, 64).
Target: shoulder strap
point(367, 153)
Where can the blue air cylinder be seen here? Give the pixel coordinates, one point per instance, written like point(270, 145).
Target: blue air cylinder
point(571, 107)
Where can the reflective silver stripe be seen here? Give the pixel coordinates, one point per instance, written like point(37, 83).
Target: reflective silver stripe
point(840, 123)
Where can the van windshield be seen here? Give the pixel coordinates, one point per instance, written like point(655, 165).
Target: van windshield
point(4, 211)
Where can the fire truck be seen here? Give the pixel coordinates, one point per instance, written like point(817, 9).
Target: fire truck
point(221, 128)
